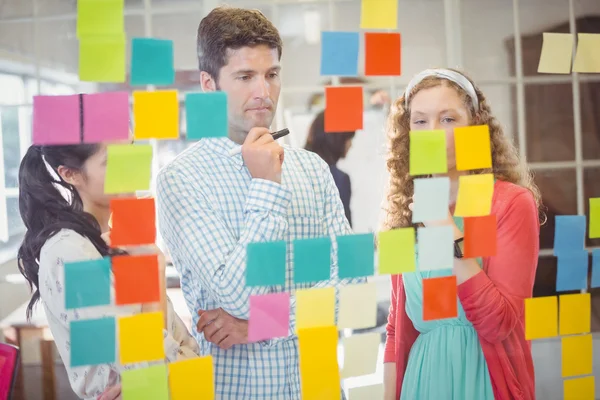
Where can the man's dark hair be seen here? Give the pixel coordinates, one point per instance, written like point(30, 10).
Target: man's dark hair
point(232, 28)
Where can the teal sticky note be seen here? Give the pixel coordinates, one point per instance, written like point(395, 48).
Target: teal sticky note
point(93, 341)
point(152, 62)
point(145, 383)
point(356, 255)
point(265, 263)
point(87, 283)
point(206, 115)
point(339, 53)
point(312, 260)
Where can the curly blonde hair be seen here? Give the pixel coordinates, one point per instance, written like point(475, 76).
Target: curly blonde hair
point(506, 164)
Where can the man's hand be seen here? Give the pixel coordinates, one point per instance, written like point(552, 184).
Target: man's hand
point(111, 393)
point(222, 329)
point(262, 155)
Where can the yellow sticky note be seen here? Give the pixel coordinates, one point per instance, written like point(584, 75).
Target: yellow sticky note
point(474, 197)
point(358, 306)
point(315, 307)
point(594, 230)
point(319, 371)
point(360, 354)
point(557, 53)
point(100, 17)
point(366, 392)
point(574, 314)
point(397, 251)
point(472, 147)
point(579, 389)
point(576, 355)
point(379, 14)
point(128, 168)
point(541, 317)
point(141, 338)
point(102, 58)
point(587, 58)
point(156, 114)
point(192, 379)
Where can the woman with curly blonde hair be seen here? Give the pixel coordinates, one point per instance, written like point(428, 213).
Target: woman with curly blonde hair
point(482, 353)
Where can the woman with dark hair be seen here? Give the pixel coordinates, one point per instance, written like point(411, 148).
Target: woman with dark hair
point(332, 146)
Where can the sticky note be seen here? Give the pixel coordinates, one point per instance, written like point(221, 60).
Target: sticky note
point(594, 230)
point(557, 53)
point(579, 389)
point(133, 221)
point(360, 354)
point(137, 279)
point(379, 14)
point(343, 108)
point(269, 316)
point(572, 271)
point(436, 247)
point(569, 233)
point(92, 341)
point(480, 236)
point(475, 194)
point(100, 17)
point(587, 57)
point(382, 54)
point(541, 317)
point(137, 347)
point(339, 53)
point(87, 283)
point(319, 373)
point(472, 147)
point(366, 392)
point(105, 117)
point(315, 307)
point(356, 255)
point(574, 314)
point(576, 355)
point(152, 62)
point(428, 152)
point(128, 168)
point(192, 379)
point(397, 251)
point(265, 263)
point(440, 299)
point(312, 260)
point(56, 120)
point(358, 306)
point(156, 114)
point(145, 383)
point(431, 199)
point(206, 115)
point(102, 58)
point(595, 268)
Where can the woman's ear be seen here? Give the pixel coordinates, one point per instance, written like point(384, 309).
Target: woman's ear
point(68, 175)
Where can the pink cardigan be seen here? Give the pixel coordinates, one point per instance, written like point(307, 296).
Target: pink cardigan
point(493, 300)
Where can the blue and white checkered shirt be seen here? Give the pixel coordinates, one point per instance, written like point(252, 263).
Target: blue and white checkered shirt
point(209, 209)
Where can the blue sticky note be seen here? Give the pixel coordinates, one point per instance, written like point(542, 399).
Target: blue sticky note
point(87, 283)
point(595, 268)
point(312, 260)
point(339, 53)
point(356, 255)
point(152, 62)
point(206, 115)
point(93, 341)
point(572, 271)
point(265, 263)
point(569, 234)
point(431, 199)
point(435, 247)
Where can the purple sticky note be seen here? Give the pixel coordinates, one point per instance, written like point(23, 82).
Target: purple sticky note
point(269, 316)
point(105, 117)
point(56, 120)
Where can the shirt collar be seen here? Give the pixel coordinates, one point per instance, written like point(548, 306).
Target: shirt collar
point(223, 146)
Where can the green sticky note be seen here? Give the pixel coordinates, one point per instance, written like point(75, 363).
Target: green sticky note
point(356, 255)
point(128, 168)
point(87, 283)
point(397, 251)
point(265, 263)
point(206, 115)
point(100, 17)
point(152, 62)
point(594, 230)
point(428, 152)
point(102, 58)
point(145, 383)
point(312, 260)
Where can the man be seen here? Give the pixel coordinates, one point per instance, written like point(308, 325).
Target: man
point(211, 205)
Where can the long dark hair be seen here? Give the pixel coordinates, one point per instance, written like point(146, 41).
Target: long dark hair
point(45, 211)
point(331, 145)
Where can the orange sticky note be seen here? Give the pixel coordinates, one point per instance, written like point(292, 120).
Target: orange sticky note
point(133, 222)
point(141, 338)
point(192, 379)
point(579, 389)
point(577, 354)
point(156, 114)
point(541, 317)
point(382, 54)
point(440, 298)
point(574, 315)
point(136, 279)
point(319, 370)
point(472, 147)
point(480, 236)
point(343, 108)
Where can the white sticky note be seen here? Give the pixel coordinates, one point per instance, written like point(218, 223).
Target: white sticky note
point(360, 354)
point(358, 306)
point(366, 392)
point(436, 247)
point(431, 199)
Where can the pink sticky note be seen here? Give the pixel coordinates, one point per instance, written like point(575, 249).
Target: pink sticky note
point(56, 120)
point(105, 117)
point(269, 316)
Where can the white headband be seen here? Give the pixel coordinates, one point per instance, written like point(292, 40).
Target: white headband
point(453, 76)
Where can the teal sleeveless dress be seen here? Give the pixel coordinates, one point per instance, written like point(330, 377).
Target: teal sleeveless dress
point(446, 361)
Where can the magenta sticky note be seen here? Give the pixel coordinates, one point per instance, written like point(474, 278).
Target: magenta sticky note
point(56, 120)
point(105, 117)
point(269, 316)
